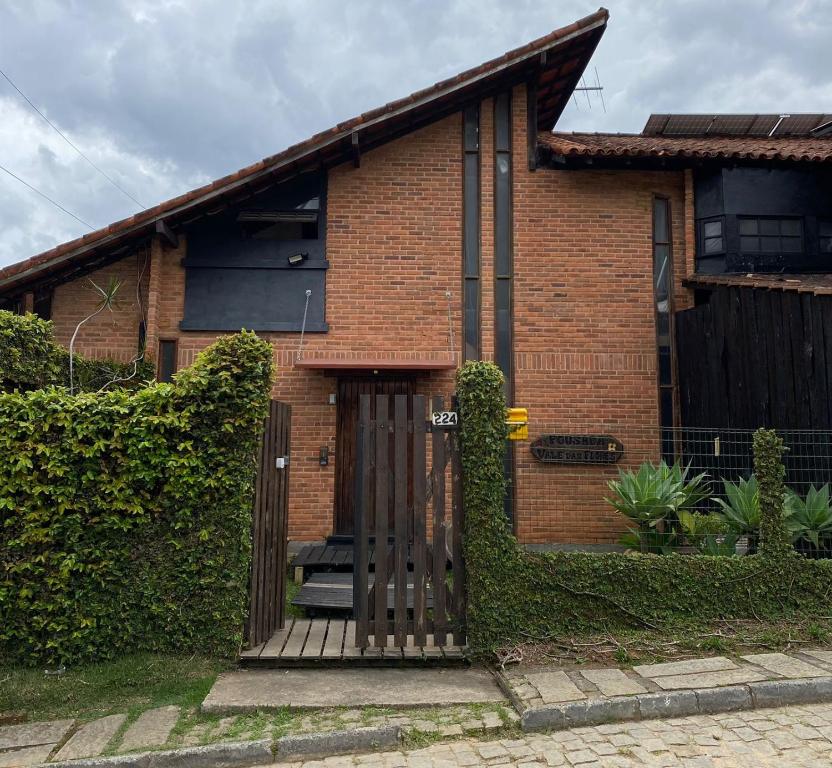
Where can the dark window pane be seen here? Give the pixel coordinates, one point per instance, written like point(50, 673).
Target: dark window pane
point(748, 226)
point(713, 228)
point(665, 373)
point(660, 223)
point(749, 244)
point(790, 227)
point(826, 245)
point(666, 407)
point(791, 245)
point(713, 245)
point(825, 228)
point(167, 360)
point(661, 270)
point(769, 226)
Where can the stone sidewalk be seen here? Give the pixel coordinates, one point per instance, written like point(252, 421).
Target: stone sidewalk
point(30, 744)
point(787, 737)
point(538, 688)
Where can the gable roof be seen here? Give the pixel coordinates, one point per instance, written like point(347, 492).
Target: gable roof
point(552, 63)
point(624, 145)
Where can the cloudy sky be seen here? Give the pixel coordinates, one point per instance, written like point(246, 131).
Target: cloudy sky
point(164, 95)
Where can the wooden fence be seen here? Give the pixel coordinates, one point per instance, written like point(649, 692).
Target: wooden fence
point(391, 484)
point(754, 357)
point(270, 527)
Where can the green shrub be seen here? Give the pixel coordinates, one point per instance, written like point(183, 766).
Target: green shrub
point(709, 534)
point(126, 516)
point(775, 539)
point(31, 359)
point(515, 595)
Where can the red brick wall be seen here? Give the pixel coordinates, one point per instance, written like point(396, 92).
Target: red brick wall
point(585, 345)
point(394, 245)
point(585, 356)
point(111, 333)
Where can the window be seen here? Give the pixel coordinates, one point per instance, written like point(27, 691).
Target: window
point(167, 360)
point(663, 298)
point(713, 237)
point(764, 235)
point(825, 231)
point(12, 304)
point(280, 225)
point(42, 305)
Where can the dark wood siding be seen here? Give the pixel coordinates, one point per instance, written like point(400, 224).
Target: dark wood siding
point(751, 357)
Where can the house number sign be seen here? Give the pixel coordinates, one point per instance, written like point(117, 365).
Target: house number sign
point(444, 420)
point(577, 449)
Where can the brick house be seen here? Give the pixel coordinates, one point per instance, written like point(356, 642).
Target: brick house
point(452, 224)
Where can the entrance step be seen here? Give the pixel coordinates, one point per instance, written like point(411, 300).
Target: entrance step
point(316, 642)
point(333, 592)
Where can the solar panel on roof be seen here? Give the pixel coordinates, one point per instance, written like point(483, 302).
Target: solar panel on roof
point(733, 124)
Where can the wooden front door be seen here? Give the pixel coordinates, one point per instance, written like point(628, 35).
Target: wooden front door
point(349, 393)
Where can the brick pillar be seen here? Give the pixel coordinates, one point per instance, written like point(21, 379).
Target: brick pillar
point(153, 295)
point(690, 226)
point(28, 302)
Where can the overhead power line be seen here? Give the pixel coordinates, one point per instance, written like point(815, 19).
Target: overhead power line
point(46, 197)
point(66, 139)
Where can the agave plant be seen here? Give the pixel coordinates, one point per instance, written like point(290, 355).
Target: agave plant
point(741, 506)
point(810, 519)
point(653, 495)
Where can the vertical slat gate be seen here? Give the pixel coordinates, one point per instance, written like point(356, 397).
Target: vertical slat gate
point(381, 506)
point(440, 557)
point(391, 484)
point(458, 520)
point(420, 585)
point(269, 529)
point(361, 559)
point(400, 526)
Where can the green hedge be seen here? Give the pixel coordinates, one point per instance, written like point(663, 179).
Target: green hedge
point(31, 359)
point(126, 516)
point(514, 595)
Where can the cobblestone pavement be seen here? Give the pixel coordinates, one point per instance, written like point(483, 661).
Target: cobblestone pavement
point(787, 737)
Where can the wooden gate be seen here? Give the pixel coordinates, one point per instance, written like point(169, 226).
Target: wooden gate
point(425, 597)
point(269, 528)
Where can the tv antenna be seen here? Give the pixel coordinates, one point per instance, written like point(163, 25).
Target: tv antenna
point(587, 90)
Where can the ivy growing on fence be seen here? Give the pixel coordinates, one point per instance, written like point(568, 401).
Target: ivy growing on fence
point(125, 517)
point(516, 595)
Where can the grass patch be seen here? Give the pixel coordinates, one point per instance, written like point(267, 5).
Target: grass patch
point(291, 591)
point(682, 641)
point(130, 684)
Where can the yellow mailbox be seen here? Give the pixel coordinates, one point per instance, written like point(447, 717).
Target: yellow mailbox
point(517, 420)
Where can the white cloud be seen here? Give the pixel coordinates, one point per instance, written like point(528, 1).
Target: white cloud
point(166, 94)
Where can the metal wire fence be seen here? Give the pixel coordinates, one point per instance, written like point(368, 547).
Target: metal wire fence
point(566, 500)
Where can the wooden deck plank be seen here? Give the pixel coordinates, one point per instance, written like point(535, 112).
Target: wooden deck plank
point(275, 644)
point(315, 639)
point(297, 638)
point(411, 650)
point(252, 653)
point(431, 651)
point(334, 639)
point(351, 651)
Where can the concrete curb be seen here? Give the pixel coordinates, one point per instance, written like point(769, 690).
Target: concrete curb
point(228, 755)
point(247, 753)
point(331, 743)
point(681, 703)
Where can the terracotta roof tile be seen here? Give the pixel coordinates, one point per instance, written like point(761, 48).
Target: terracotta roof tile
point(69, 252)
point(813, 150)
